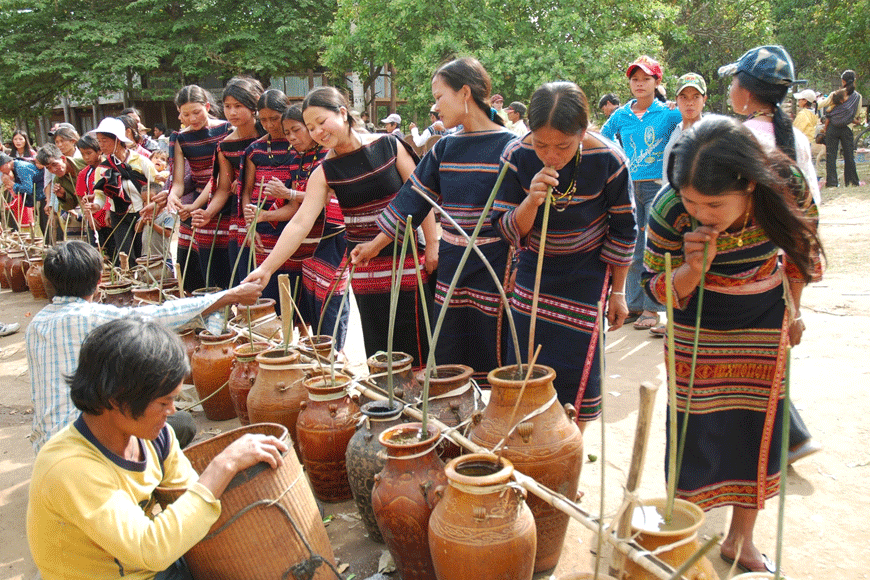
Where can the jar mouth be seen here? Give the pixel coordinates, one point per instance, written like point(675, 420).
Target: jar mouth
point(447, 372)
point(689, 516)
point(479, 469)
point(381, 410)
point(408, 435)
point(511, 373)
point(277, 356)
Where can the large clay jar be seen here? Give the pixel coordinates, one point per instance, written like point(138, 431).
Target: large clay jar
point(543, 442)
point(245, 369)
point(269, 525)
point(452, 400)
point(146, 295)
point(278, 391)
point(590, 576)
point(405, 385)
point(151, 269)
point(16, 271)
point(190, 340)
point(264, 321)
point(366, 457)
point(317, 347)
point(651, 532)
point(326, 424)
point(482, 522)
point(34, 279)
point(4, 261)
point(118, 294)
point(402, 497)
point(211, 364)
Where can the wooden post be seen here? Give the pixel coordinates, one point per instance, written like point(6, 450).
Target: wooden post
point(393, 93)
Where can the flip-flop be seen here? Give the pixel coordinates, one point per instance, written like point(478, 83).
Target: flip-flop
point(765, 561)
point(645, 322)
point(632, 316)
point(659, 331)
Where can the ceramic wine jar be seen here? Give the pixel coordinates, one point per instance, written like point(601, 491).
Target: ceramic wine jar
point(211, 364)
point(652, 532)
point(278, 391)
point(245, 369)
point(366, 457)
point(481, 520)
point(326, 424)
point(319, 346)
point(118, 294)
point(190, 340)
point(405, 385)
point(264, 320)
point(4, 262)
point(543, 443)
point(34, 279)
point(16, 271)
point(452, 400)
point(403, 494)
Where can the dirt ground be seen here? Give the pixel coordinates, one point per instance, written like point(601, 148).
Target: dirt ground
point(828, 494)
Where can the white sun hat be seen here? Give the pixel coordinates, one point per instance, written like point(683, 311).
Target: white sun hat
point(112, 126)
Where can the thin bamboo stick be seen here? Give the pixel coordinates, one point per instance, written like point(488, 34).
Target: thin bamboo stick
point(542, 247)
point(672, 390)
point(786, 426)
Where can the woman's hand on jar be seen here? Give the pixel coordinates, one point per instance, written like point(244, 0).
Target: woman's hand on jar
point(617, 310)
point(693, 248)
point(541, 184)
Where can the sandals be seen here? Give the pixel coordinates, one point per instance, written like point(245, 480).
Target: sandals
point(632, 316)
point(646, 322)
point(659, 331)
point(767, 565)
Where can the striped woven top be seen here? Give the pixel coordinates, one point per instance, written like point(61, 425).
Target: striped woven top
point(198, 148)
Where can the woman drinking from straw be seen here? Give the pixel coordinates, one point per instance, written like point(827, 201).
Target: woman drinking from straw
point(459, 174)
point(365, 171)
point(589, 241)
point(222, 214)
point(730, 210)
point(196, 144)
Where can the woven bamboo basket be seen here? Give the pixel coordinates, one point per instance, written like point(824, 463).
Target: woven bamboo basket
point(253, 540)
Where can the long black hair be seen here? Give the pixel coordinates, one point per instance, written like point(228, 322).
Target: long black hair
point(468, 71)
point(719, 155)
point(783, 130)
point(245, 90)
point(197, 94)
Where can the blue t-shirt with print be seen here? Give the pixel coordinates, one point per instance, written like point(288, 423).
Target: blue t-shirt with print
point(643, 139)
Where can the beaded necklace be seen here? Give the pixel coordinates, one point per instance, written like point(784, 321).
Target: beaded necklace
point(562, 199)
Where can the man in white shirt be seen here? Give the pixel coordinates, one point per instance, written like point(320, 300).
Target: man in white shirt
point(515, 112)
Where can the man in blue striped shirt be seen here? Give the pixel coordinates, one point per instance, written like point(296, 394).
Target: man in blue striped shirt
point(55, 335)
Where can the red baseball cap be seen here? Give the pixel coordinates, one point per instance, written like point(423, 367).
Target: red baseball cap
point(647, 64)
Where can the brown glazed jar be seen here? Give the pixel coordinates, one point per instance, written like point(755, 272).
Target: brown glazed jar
point(325, 426)
point(405, 385)
point(16, 271)
point(245, 369)
point(34, 279)
point(146, 295)
point(545, 444)
point(322, 347)
point(4, 261)
point(190, 340)
point(264, 320)
point(119, 294)
point(211, 364)
point(278, 391)
point(481, 520)
point(650, 531)
point(366, 457)
point(402, 497)
point(452, 400)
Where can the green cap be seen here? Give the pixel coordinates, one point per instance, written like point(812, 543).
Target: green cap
point(692, 80)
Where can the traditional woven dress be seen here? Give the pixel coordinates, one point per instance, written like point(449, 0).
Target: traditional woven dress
point(365, 181)
point(275, 158)
point(198, 149)
point(231, 214)
point(459, 173)
point(320, 272)
point(591, 227)
point(733, 442)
